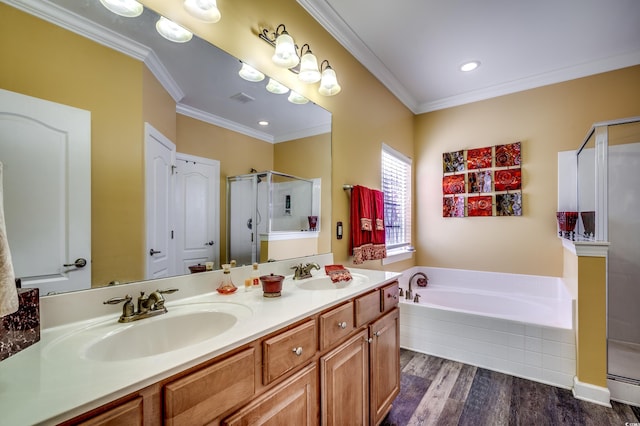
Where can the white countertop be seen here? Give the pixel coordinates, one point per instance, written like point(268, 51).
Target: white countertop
point(39, 385)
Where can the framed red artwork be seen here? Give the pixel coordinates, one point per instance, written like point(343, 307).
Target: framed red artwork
point(479, 158)
point(508, 155)
point(508, 180)
point(480, 206)
point(453, 184)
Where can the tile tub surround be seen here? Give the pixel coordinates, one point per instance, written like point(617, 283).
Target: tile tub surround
point(39, 385)
point(529, 347)
point(21, 329)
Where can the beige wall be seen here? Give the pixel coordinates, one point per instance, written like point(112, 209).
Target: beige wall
point(547, 120)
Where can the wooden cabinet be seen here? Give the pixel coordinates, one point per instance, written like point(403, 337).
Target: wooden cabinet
point(200, 397)
point(385, 364)
point(292, 402)
point(344, 383)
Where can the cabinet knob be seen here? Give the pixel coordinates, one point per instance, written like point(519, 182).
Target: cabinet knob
point(342, 325)
point(368, 340)
point(297, 351)
point(377, 333)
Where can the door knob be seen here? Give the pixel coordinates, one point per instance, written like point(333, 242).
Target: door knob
point(79, 263)
point(152, 252)
point(210, 243)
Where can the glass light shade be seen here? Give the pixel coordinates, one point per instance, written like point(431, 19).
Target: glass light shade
point(329, 85)
point(309, 72)
point(172, 31)
point(285, 55)
point(204, 10)
point(249, 73)
point(127, 8)
point(297, 98)
point(276, 87)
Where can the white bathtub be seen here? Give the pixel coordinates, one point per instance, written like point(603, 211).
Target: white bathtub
point(521, 325)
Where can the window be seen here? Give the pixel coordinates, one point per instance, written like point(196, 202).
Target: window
point(396, 185)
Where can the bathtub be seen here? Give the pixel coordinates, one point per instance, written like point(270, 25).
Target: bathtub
point(520, 325)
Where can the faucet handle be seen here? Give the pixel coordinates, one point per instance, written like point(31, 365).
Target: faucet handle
point(116, 300)
point(400, 292)
point(168, 291)
point(416, 299)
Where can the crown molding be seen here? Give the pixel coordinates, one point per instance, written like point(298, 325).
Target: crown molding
point(222, 122)
point(312, 131)
point(78, 24)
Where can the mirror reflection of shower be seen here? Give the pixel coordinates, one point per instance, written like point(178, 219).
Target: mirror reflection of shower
point(265, 205)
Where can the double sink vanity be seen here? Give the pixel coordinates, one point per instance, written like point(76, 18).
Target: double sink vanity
point(320, 353)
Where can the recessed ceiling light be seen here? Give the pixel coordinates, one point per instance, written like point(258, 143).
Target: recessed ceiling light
point(263, 123)
point(469, 66)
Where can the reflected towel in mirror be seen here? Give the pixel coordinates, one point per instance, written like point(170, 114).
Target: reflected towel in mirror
point(8, 292)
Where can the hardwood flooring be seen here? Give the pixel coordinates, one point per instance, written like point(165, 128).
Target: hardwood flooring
point(435, 391)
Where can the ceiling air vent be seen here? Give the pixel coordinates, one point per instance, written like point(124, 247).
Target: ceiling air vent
point(243, 98)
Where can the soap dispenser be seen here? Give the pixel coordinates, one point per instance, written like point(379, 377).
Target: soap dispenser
point(226, 285)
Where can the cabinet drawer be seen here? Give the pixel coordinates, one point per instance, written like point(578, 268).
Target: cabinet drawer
point(129, 413)
point(390, 297)
point(202, 396)
point(288, 350)
point(367, 308)
point(336, 324)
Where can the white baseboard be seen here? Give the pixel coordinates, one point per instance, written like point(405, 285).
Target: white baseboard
point(591, 393)
point(624, 392)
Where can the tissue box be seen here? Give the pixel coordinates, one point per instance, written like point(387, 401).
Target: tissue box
point(21, 329)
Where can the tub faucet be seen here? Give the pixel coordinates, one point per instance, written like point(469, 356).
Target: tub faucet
point(409, 292)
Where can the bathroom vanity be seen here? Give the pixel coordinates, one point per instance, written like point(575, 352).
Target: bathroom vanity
point(318, 354)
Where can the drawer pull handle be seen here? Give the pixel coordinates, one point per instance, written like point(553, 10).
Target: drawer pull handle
point(297, 351)
point(342, 325)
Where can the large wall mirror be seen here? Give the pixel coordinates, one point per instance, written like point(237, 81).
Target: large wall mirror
point(129, 79)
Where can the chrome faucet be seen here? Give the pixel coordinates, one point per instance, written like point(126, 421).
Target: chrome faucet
point(409, 292)
point(304, 271)
point(148, 306)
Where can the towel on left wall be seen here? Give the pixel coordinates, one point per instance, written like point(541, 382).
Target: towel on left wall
point(8, 293)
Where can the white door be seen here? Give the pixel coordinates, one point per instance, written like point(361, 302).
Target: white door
point(160, 155)
point(46, 151)
point(197, 206)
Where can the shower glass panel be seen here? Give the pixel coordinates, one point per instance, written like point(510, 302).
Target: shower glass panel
point(623, 280)
point(264, 203)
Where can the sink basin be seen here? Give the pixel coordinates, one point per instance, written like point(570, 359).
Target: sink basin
point(182, 326)
point(323, 282)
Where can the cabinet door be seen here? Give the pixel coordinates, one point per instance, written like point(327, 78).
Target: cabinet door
point(293, 402)
point(344, 383)
point(200, 397)
point(385, 363)
point(127, 414)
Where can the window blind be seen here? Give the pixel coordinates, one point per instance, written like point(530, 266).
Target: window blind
point(396, 185)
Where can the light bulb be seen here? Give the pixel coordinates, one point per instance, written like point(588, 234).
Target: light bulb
point(172, 31)
point(127, 8)
point(285, 55)
point(204, 10)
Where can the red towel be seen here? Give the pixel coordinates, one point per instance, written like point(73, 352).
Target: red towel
point(367, 225)
point(337, 273)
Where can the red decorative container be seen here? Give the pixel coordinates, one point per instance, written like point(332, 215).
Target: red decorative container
point(271, 285)
point(567, 224)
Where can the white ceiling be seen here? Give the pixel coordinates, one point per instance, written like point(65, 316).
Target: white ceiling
point(415, 47)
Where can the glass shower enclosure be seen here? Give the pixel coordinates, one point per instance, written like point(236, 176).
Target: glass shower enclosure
point(265, 203)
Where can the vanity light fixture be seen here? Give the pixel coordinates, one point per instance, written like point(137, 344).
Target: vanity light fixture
point(286, 55)
point(297, 98)
point(276, 87)
point(172, 31)
point(204, 10)
point(329, 84)
point(469, 66)
point(126, 8)
point(249, 73)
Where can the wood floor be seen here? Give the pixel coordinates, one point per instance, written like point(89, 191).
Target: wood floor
point(435, 391)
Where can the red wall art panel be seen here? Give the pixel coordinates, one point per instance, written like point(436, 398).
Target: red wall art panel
point(508, 155)
point(453, 184)
point(480, 206)
point(480, 181)
point(479, 158)
point(508, 180)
